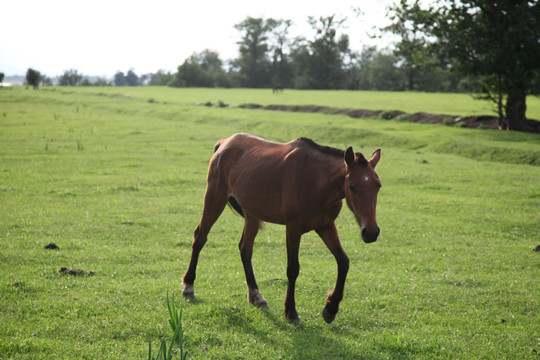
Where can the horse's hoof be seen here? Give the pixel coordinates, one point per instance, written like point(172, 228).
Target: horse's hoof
point(293, 318)
point(256, 299)
point(263, 304)
point(260, 303)
point(188, 292)
point(327, 316)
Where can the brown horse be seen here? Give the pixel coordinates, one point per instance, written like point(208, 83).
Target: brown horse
point(298, 184)
point(277, 88)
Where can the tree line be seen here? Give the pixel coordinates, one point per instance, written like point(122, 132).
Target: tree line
point(488, 47)
point(268, 56)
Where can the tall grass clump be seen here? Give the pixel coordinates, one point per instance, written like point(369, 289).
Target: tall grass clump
point(175, 320)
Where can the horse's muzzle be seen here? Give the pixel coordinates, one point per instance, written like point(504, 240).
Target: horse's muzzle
point(370, 236)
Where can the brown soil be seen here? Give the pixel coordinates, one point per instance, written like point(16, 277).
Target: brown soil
point(485, 121)
point(75, 272)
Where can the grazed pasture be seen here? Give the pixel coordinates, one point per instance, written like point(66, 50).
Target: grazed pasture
point(117, 182)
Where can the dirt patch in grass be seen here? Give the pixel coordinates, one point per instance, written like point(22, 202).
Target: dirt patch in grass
point(484, 121)
point(75, 272)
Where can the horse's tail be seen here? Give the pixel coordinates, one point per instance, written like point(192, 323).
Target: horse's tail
point(217, 145)
point(233, 204)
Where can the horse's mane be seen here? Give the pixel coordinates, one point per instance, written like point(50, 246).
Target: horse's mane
point(324, 149)
point(330, 150)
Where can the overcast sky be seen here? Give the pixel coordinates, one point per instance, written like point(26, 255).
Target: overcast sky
point(101, 37)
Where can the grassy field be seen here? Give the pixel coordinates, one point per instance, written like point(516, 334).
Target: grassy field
point(117, 183)
point(410, 102)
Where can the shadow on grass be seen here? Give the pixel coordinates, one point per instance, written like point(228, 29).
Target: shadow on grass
point(304, 341)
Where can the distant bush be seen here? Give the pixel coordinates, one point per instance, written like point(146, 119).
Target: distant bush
point(403, 118)
point(448, 121)
point(386, 115)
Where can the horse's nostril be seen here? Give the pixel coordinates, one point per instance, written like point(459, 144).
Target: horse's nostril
point(370, 237)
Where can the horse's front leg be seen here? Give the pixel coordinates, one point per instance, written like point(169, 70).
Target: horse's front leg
point(331, 239)
point(293, 269)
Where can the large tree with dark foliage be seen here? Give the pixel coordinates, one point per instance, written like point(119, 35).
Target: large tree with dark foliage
point(132, 79)
point(409, 23)
point(160, 78)
point(254, 63)
point(33, 77)
point(70, 78)
point(280, 49)
point(204, 69)
point(496, 41)
point(119, 79)
point(322, 62)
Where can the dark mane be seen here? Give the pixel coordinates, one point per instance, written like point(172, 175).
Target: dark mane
point(331, 151)
point(324, 149)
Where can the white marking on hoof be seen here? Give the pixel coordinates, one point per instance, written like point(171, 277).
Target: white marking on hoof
point(296, 321)
point(188, 291)
point(255, 298)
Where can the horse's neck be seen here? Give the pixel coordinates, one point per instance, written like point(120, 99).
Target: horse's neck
point(335, 173)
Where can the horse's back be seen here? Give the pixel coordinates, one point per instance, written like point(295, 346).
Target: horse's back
point(246, 143)
point(253, 154)
point(254, 171)
point(251, 151)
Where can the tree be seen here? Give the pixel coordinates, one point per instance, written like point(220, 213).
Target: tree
point(2, 77)
point(209, 61)
point(45, 81)
point(33, 77)
point(204, 69)
point(326, 54)
point(497, 42)
point(132, 79)
point(120, 79)
point(101, 82)
point(70, 78)
point(280, 48)
point(358, 79)
point(412, 23)
point(383, 74)
point(191, 74)
point(253, 62)
point(160, 78)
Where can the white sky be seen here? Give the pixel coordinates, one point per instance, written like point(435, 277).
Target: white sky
point(101, 37)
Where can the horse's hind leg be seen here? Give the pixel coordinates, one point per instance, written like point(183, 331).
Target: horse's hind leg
point(215, 200)
point(251, 227)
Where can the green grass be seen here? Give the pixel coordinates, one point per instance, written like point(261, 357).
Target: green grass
point(117, 183)
point(410, 102)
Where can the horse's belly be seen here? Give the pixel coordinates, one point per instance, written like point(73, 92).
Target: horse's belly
point(263, 207)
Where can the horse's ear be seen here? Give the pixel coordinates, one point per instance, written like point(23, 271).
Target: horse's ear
point(349, 156)
point(375, 158)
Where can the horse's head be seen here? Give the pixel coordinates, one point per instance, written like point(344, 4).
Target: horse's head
point(362, 185)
